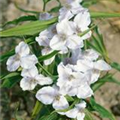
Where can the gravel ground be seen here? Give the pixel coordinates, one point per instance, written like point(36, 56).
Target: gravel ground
point(108, 95)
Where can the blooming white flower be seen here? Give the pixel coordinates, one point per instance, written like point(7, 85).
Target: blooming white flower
point(70, 9)
point(87, 63)
point(82, 21)
point(44, 40)
point(51, 95)
point(65, 37)
point(21, 58)
point(73, 83)
point(77, 112)
point(31, 78)
point(45, 16)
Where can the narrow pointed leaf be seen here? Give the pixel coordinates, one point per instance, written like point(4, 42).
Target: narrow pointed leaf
point(115, 66)
point(103, 14)
point(21, 19)
point(104, 113)
point(28, 29)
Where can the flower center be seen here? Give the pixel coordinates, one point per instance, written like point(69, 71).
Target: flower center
point(57, 97)
point(71, 77)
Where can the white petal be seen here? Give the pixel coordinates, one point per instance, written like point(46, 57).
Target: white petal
point(84, 91)
point(22, 49)
point(45, 16)
point(95, 74)
point(63, 71)
point(81, 116)
point(46, 95)
point(30, 72)
point(42, 40)
point(102, 65)
point(65, 13)
point(28, 83)
point(57, 43)
point(60, 103)
point(13, 63)
point(42, 80)
point(91, 54)
point(74, 42)
point(83, 65)
point(28, 61)
point(72, 113)
point(65, 27)
point(83, 19)
point(81, 105)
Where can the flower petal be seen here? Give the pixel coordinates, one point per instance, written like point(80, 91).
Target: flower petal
point(30, 72)
point(29, 61)
point(60, 103)
point(102, 65)
point(46, 95)
point(74, 42)
point(72, 113)
point(45, 16)
point(22, 49)
point(65, 13)
point(83, 19)
point(13, 63)
point(90, 54)
point(42, 80)
point(65, 27)
point(84, 91)
point(57, 43)
point(80, 116)
point(28, 83)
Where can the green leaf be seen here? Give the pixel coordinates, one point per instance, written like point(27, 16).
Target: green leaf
point(21, 19)
point(88, 115)
point(10, 75)
point(6, 55)
point(31, 28)
point(45, 57)
point(53, 116)
point(37, 108)
point(115, 66)
point(55, 9)
point(10, 81)
point(104, 14)
point(101, 110)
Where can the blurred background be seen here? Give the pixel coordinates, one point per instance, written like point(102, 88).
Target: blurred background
point(108, 96)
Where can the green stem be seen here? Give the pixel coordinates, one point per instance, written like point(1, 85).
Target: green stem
point(47, 72)
point(103, 14)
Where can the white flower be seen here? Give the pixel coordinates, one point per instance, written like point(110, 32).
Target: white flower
point(31, 78)
point(51, 95)
point(82, 21)
point(44, 40)
point(87, 63)
point(45, 16)
point(77, 112)
point(69, 10)
point(65, 37)
point(73, 83)
point(21, 58)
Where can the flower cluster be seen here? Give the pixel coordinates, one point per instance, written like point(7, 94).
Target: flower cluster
point(76, 73)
